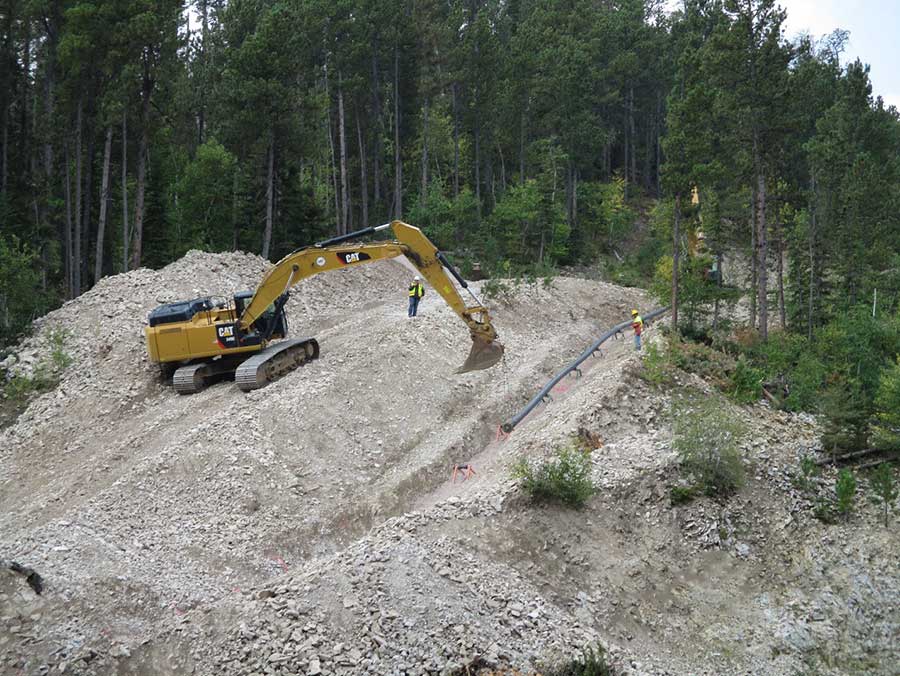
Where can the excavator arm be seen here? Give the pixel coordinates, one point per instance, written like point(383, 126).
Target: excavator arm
point(410, 242)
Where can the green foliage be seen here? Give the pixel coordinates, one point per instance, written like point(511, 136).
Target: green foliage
point(808, 471)
point(565, 478)
point(887, 408)
point(656, 366)
point(706, 437)
point(884, 488)
point(746, 382)
point(591, 663)
point(845, 492)
point(21, 299)
point(59, 357)
point(203, 200)
point(846, 418)
point(680, 495)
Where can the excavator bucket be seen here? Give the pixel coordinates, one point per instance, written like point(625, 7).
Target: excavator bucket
point(484, 354)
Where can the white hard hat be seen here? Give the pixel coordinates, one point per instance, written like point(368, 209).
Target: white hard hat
point(416, 278)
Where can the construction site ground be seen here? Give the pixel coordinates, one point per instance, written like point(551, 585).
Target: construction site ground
point(312, 527)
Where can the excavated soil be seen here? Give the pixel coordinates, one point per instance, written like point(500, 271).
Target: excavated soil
point(312, 527)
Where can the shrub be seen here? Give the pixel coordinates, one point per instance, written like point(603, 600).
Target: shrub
point(58, 354)
point(706, 438)
point(883, 488)
point(746, 382)
point(887, 407)
point(566, 478)
point(656, 368)
point(591, 663)
point(808, 470)
point(846, 419)
point(845, 491)
point(680, 495)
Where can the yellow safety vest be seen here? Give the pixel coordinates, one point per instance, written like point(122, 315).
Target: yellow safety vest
point(416, 290)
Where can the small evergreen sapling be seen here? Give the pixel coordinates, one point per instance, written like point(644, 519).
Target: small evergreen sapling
point(845, 489)
point(884, 489)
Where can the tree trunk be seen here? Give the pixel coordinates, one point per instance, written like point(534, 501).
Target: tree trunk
point(753, 269)
point(203, 6)
point(68, 236)
point(379, 131)
point(779, 233)
point(88, 201)
point(270, 195)
point(398, 165)
point(104, 203)
point(334, 176)
point(4, 160)
point(424, 189)
point(125, 233)
point(676, 255)
point(143, 148)
point(363, 179)
point(522, 148)
point(632, 134)
point(234, 211)
point(658, 121)
point(345, 187)
point(455, 141)
point(76, 249)
point(626, 162)
point(478, 166)
point(814, 208)
point(761, 258)
point(575, 197)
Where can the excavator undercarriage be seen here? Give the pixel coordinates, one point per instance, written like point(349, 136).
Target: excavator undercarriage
point(205, 340)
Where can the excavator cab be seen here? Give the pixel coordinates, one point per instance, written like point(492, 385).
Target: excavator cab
point(270, 324)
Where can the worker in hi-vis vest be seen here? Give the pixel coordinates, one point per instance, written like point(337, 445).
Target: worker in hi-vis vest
point(416, 291)
point(638, 325)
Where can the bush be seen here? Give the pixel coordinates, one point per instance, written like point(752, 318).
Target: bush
point(808, 470)
point(656, 368)
point(706, 438)
point(887, 408)
point(746, 382)
point(566, 478)
point(883, 488)
point(845, 491)
point(680, 495)
point(591, 663)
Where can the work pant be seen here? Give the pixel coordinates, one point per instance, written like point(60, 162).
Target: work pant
point(637, 342)
point(413, 306)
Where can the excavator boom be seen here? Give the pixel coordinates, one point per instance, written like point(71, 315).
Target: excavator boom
point(410, 242)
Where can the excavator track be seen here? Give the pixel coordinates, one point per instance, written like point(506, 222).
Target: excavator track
point(191, 378)
point(273, 362)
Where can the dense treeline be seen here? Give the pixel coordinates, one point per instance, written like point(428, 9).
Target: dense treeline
point(520, 132)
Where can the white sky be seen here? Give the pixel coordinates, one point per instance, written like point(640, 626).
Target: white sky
point(874, 27)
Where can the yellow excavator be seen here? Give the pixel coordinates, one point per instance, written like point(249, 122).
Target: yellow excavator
point(203, 340)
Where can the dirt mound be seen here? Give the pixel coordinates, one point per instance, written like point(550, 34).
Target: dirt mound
point(312, 526)
point(136, 503)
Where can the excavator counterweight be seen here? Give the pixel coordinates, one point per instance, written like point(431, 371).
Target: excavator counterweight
point(204, 340)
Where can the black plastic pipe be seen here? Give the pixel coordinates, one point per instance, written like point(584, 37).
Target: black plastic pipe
point(510, 424)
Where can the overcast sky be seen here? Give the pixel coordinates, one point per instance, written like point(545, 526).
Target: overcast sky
point(874, 27)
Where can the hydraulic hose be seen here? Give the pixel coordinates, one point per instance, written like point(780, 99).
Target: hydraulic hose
point(510, 424)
